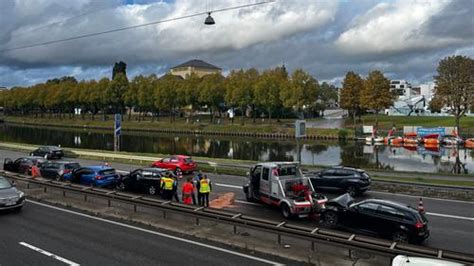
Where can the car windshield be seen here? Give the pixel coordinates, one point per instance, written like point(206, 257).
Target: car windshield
point(107, 172)
point(71, 166)
point(4, 183)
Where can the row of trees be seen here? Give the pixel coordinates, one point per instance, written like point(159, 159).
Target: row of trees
point(372, 93)
point(454, 89)
point(273, 92)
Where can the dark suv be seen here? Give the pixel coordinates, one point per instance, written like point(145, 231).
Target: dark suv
point(57, 169)
point(48, 152)
point(22, 165)
point(384, 218)
point(350, 180)
point(145, 180)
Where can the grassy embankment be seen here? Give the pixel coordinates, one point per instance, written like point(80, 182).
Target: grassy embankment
point(386, 122)
point(285, 126)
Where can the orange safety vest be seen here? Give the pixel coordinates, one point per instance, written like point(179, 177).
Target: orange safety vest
point(168, 183)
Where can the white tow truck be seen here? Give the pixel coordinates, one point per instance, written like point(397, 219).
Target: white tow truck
point(283, 185)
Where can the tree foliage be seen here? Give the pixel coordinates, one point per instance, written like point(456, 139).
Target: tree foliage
point(455, 85)
point(352, 87)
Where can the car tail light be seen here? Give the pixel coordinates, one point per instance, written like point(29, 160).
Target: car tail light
point(419, 225)
point(98, 177)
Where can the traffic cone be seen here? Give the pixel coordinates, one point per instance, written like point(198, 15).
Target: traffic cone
point(421, 208)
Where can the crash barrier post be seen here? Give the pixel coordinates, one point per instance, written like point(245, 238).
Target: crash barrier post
point(324, 236)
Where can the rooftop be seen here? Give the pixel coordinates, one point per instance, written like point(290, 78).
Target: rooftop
point(197, 63)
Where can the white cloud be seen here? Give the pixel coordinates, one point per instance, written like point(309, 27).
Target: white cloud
point(233, 30)
point(394, 27)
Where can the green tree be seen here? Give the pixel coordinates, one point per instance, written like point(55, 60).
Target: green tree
point(130, 97)
point(116, 91)
point(189, 92)
point(165, 94)
point(455, 85)
point(239, 89)
point(211, 93)
point(326, 95)
point(376, 93)
point(350, 100)
point(302, 91)
point(268, 87)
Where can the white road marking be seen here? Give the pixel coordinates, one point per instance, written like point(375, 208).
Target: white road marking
point(411, 196)
point(226, 185)
point(158, 234)
point(248, 203)
point(49, 254)
point(450, 216)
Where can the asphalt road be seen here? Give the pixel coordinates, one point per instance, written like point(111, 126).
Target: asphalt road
point(42, 235)
point(451, 222)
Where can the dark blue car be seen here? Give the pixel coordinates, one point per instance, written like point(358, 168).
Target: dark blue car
point(98, 176)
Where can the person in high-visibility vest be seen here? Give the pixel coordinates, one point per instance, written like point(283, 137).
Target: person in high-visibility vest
point(188, 192)
point(167, 187)
point(204, 188)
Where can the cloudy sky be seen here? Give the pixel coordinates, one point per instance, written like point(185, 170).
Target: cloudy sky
point(403, 38)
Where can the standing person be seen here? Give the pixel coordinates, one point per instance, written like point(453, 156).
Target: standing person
point(166, 186)
point(188, 192)
point(35, 171)
point(196, 181)
point(175, 188)
point(205, 187)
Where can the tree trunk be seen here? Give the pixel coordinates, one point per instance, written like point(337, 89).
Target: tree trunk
point(457, 118)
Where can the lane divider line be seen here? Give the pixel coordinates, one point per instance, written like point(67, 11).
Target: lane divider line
point(49, 254)
point(451, 216)
point(158, 234)
point(226, 185)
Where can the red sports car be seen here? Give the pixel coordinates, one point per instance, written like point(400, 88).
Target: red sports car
point(178, 163)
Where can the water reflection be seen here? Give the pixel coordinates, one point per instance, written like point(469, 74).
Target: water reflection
point(424, 159)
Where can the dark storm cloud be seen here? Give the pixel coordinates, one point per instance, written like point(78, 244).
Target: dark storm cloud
point(326, 38)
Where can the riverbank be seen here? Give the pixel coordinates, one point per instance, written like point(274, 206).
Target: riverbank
point(282, 129)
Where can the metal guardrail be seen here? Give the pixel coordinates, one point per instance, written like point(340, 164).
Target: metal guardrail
point(280, 228)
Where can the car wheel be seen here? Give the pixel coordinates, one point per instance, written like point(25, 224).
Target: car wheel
point(178, 171)
point(330, 218)
point(285, 211)
point(152, 190)
point(401, 237)
point(121, 186)
point(351, 190)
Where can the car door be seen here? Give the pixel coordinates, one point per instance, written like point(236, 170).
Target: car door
point(265, 181)
point(164, 163)
point(9, 165)
point(255, 180)
point(325, 179)
point(86, 176)
point(174, 162)
point(134, 182)
point(46, 170)
point(363, 217)
point(389, 220)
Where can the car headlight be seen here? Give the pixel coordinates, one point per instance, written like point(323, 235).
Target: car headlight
point(21, 194)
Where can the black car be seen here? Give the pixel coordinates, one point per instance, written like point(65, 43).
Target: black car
point(10, 197)
point(145, 180)
point(350, 180)
point(57, 169)
point(22, 165)
point(48, 152)
point(384, 218)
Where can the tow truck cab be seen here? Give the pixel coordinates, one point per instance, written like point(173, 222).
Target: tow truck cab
point(283, 185)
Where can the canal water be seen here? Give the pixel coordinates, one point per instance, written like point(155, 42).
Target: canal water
point(327, 153)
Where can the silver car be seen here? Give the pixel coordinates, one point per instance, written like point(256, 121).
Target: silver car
point(10, 196)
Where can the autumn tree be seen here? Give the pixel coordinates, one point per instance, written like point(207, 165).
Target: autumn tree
point(350, 100)
point(211, 92)
point(239, 89)
point(455, 85)
point(116, 92)
point(326, 94)
point(376, 93)
point(301, 92)
point(268, 87)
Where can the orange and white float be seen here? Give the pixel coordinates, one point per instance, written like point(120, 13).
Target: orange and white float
point(469, 143)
